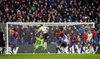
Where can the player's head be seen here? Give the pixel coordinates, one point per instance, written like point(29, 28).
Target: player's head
point(41, 25)
point(14, 29)
point(85, 30)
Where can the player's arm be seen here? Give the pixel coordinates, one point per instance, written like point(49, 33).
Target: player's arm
point(38, 30)
point(36, 42)
point(77, 30)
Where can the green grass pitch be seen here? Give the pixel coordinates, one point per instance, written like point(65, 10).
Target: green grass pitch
point(51, 56)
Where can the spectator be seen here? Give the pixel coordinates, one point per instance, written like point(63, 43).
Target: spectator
point(68, 10)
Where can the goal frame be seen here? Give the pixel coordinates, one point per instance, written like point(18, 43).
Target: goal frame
point(45, 23)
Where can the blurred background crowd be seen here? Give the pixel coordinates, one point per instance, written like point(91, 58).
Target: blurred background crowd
point(49, 11)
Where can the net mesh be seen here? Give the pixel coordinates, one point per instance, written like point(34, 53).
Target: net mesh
point(26, 31)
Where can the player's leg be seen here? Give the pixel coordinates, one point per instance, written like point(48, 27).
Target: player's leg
point(45, 36)
point(45, 42)
point(63, 47)
point(45, 47)
point(36, 47)
point(13, 45)
point(58, 47)
point(12, 48)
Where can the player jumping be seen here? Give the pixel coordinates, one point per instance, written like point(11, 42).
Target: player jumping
point(42, 40)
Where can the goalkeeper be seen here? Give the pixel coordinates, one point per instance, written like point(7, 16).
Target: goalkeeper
point(40, 42)
point(44, 30)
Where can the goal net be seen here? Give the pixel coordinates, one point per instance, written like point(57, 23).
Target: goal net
point(24, 34)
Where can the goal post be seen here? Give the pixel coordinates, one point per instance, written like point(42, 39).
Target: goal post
point(44, 23)
point(51, 24)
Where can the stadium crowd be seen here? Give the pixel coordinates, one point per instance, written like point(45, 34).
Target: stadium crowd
point(49, 11)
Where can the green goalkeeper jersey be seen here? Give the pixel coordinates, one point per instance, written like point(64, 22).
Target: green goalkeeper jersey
point(39, 41)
